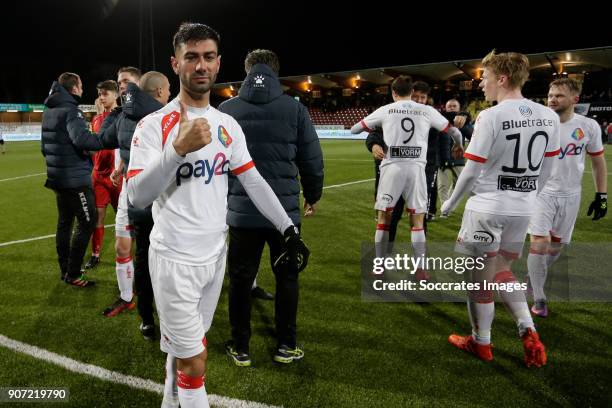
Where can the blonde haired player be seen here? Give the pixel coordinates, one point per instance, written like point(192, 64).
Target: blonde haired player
point(511, 155)
point(558, 203)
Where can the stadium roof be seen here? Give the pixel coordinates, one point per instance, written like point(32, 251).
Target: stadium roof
point(542, 65)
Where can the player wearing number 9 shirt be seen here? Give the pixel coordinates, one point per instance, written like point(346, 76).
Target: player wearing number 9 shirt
point(511, 155)
point(405, 125)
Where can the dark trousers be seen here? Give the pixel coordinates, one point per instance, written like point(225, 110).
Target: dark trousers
point(431, 175)
point(142, 277)
point(244, 255)
point(74, 203)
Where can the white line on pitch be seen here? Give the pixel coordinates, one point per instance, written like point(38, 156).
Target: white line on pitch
point(22, 177)
point(113, 376)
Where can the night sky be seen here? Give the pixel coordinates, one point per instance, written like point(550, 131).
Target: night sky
point(41, 39)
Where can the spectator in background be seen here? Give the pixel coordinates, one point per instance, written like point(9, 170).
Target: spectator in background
point(450, 168)
point(65, 143)
point(104, 162)
point(283, 143)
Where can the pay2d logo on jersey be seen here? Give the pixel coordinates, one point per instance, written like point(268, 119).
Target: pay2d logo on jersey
point(572, 149)
point(203, 168)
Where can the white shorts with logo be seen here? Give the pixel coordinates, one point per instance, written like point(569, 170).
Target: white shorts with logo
point(407, 180)
point(555, 216)
point(186, 297)
point(491, 234)
point(123, 225)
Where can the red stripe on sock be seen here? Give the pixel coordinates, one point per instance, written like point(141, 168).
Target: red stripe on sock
point(382, 227)
point(124, 260)
point(416, 229)
point(509, 255)
point(504, 277)
point(537, 251)
point(188, 383)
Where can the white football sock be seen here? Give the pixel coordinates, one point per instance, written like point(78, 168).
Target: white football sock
point(124, 268)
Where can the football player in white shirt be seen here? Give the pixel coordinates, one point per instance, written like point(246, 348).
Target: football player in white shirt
point(405, 125)
point(558, 203)
point(511, 154)
point(180, 159)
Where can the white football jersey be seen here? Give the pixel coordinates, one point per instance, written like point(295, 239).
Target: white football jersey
point(190, 225)
point(578, 135)
point(405, 126)
point(511, 140)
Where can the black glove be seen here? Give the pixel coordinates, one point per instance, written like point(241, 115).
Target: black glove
point(295, 254)
point(599, 206)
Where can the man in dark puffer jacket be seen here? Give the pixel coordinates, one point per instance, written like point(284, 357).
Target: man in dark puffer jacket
point(282, 141)
point(65, 143)
point(139, 100)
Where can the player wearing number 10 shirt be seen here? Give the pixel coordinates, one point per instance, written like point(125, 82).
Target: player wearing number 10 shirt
point(511, 155)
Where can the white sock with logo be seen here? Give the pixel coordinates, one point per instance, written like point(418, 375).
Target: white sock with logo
point(191, 391)
point(124, 268)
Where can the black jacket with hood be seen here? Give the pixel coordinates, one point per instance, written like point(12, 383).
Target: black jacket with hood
point(119, 129)
point(66, 141)
point(282, 142)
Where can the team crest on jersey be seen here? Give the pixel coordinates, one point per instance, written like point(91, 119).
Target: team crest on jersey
point(224, 137)
point(135, 141)
point(525, 111)
point(577, 134)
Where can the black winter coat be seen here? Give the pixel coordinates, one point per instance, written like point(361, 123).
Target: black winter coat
point(282, 142)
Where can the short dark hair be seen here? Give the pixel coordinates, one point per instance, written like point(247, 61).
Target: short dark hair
point(68, 80)
point(132, 70)
point(261, 57)
point(108, 85)
point(194, 31)
point(402, 85)
point(421, 86)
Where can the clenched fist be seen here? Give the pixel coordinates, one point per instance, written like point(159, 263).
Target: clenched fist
point(192, 135)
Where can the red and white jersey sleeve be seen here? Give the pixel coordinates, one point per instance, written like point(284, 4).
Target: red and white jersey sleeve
point(579, 136)
point(190, 214)
point(511, 140)
point(240, 161)
point(437, 120)
point(146, 145)
point(374, 120)
point(482, 138)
